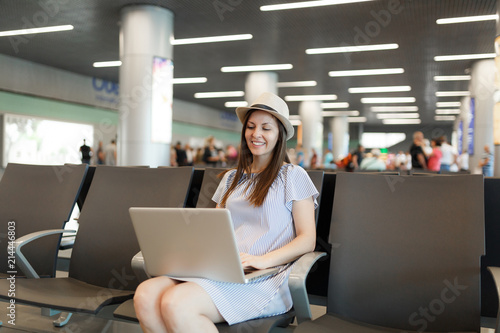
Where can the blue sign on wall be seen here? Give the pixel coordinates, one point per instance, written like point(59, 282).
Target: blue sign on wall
point(460, 136)
point(470, 130)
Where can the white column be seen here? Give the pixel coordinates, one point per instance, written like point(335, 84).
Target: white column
point(340, 133)
point(144, 135)
point(258, 83)
point(312, 129)
point(482, 89)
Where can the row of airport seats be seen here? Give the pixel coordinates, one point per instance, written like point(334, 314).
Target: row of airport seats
point(403, 251)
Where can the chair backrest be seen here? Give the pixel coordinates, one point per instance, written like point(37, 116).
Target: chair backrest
point(194, 190)
point(85, 187)
point(317, 179)
point(407, 251)
point(489, 297)
point(38, 197)
point(208, 187)
point(106, 240)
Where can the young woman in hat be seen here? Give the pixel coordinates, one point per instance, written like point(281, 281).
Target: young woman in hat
point(272, 205)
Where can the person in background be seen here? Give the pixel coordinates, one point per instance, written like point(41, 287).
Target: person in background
point(300, 157)
point(486, 162)
point(231, 155)
point(211, 154)
point(180, 155)
point(100, 154)
point(314, 159)
point(373, 162)
point(449, 154)
point(189, 154)
point(418, 159)
point(86, 152)
point(434, 159)
point(272, 204)
point(328, 162)
point(110, 153)
point(463, 160)
point(356, 159)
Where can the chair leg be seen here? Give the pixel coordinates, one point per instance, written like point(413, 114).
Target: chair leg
point(63, 319)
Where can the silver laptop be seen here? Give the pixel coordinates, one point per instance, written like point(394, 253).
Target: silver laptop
point(191, 242)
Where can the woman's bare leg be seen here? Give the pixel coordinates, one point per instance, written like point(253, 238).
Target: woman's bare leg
point(187, 307)
point(147, 300)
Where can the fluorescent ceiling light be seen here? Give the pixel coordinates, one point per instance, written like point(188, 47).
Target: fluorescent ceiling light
point(236, 104)
point(295, 98)
point(394, 108)
point(359, 48)
point(356, 119)
point(55, 28)
point(361, 90)
point(465, 57)
point(452, 78)
point(383, 100)
point(448, 104)
point(219, 94)
point(307, 4)
point(444, 118)
point(339, 105)
point(255, 68)
point(295, 122)
point(465, 19)
point(339, 113)
point(213, 39)
point(189, 80)
point(397, 115)
point(363, 72)
point(452, 93)
point(115, 63)
point(294, 117)
point(296, 84)
point(401, 121)
point(448, 111)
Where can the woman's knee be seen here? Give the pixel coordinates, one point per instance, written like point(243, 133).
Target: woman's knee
point(147, 295)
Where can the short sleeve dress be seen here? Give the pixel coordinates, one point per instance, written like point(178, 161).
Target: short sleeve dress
point(260, 230)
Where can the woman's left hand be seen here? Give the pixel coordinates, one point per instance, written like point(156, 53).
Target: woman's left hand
point(248, 260)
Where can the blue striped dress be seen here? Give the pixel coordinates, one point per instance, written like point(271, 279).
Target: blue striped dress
point(259, 231)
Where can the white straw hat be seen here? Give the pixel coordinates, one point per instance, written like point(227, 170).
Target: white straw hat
point(274, 105)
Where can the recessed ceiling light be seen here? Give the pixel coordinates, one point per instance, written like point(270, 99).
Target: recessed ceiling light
point(448, 104)
point(114, 63)
point(452, 93)
point(218, 94)
point(296, 84)
point(55, 28)
point(400, 121)
point(465, 57)
point(363, 72)
point(383, 100)
point(448, 111)
point(465, 19)
point(213, 39)
point(236, 104)
point(307, 4)
point(295, 122)
point(295, 98)
point(394, 108)
point(452, 78)
point(445, 118)
point(339, 105)
point(189, 80)
point(255, 68)
point(339, 113)
point(356, 119)
point(361, 90)
point(397, 115)
point(356, 48)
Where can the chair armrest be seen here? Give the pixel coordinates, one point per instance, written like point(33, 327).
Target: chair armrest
point(139, 267)
point(495, 272)
point(21, 260)
point(297, 284)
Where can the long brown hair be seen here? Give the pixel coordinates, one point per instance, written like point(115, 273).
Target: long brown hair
point(264, 179)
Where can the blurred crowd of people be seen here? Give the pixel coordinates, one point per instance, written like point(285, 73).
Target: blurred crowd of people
point(208, 155)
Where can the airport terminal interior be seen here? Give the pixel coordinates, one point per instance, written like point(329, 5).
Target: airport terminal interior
point(112, 104)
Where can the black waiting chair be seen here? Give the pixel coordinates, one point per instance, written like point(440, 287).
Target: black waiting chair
point(35, 198)
point(297, 277)
point(100, 272)
point(407, 257)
